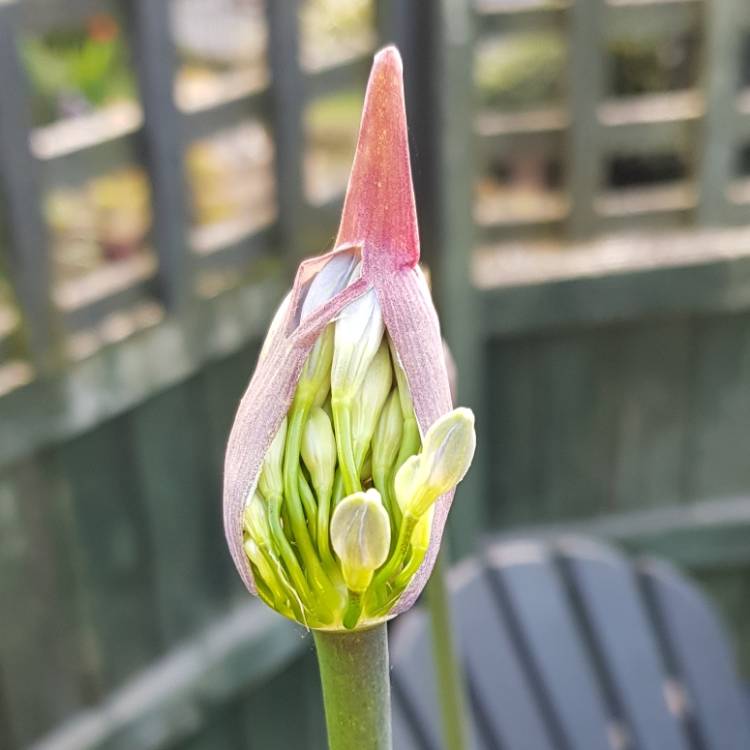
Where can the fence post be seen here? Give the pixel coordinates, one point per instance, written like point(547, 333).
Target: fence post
point(447, 111)
point(583, 161)
point(155, 62)
point(721, 66)
point(287, 96)
point(392, 19)
point(28, 244)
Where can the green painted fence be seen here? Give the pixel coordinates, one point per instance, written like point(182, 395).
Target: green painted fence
point(609, 371)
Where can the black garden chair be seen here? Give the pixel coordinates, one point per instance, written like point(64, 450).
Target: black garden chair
point(567, 645)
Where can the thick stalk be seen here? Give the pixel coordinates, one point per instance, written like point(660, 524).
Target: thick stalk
point(396, 560)
point(356, 688)
point(342, 427)
point(450, 683)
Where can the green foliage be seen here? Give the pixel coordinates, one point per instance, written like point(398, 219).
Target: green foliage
point(640, 65)
point(516, 70)
point(85, 65)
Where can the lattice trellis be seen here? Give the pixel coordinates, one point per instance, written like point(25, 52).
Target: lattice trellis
point(705, 121)
point(560, 149)
point(180, 264)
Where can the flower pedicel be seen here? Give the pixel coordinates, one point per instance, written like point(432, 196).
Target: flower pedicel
point(345, 450)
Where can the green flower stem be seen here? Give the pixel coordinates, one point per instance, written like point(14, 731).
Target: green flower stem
point(274, 583)
point(380, 478)
point(296, 513)
point(415, 560)
point(310, 506)
point(323, 522)
point(396, 560)
point(410, 441)
point(356, 688)
point(342, 427)
point(353, 610)
point(410, 444)
point(450, 682)
point(287, 553)
point(395, 508)
point(338, 489)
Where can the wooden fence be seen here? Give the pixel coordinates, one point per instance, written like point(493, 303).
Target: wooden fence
point(609, 372)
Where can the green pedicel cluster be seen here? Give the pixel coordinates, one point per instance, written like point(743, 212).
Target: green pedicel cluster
point(342, 514)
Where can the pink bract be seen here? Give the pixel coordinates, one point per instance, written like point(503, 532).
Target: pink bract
point(379, 220)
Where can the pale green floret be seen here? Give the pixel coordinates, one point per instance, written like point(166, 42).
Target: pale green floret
point(410, 437)
point(386, 443)
point(357, 338)
point(319, 450)
point(445, 458)
point(254, 553)
point(315, 383)
point(420, 538)
point(255, 521)
point(447, 452)
point(367, 406)
point(387, 437)
point(361, 537)
point(404, 397)
point(328, 282)
point(269, 586)
point(404, 484)
point(271, 482)
point(359, 331)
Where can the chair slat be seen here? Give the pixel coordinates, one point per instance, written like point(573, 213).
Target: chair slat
point(413, 679)
point(700, 652)
point(418, 723)
point(532, 590)
point(405, 735)
point(502, 690)
point(605, 586)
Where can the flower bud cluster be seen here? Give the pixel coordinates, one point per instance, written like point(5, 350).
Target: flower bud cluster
point(341, 518)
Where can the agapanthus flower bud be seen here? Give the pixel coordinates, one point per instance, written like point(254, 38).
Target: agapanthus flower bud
point(358, 334)
point(387, 437)
point(445, 458)
point(404, 484)
point(361, 537)
point(270, 482)
point(333, 277)
point(386, 443)
point(350, 378)
point(369, 402)
point(256, 521)
point(319, 450)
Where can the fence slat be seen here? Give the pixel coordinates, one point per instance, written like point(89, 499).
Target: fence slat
point(181, 497)
point(114, 557)
point(444, 127)
point(287, 94)
point(716, 454)
point(652, 371)
point(585, 89)
point(297, 690)
point(220, 387)
point(571, 412)
point(721, 77)
point(45, 671)
point(28, 248)
point(155, 62)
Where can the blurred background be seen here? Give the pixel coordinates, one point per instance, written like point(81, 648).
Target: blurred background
point(582, 170)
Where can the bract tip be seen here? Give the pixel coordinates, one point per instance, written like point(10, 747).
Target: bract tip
point(379, 209)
